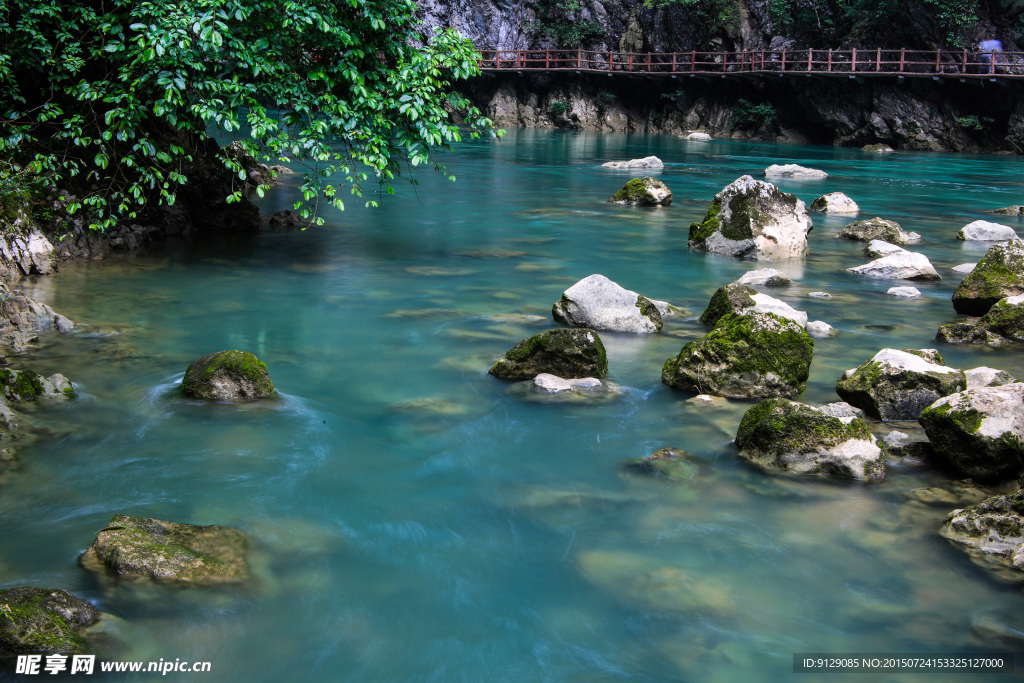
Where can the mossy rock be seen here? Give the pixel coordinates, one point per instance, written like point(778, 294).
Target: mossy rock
point(21, 385)
point(43, 621)
point(877, 229)
point(645, 191)
point(567, 353)
point(758, 355)
point(227, 375)
point(979, 432)
point(670, 463)
point(992, 532)
point(899, 384)
point(731, 298)
point(168, 552)
point(803, 439)
point(998, 275)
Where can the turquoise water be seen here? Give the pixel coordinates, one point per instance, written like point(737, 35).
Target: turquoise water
point(420, 520)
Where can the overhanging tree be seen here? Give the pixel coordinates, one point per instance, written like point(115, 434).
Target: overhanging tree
point(114, 99)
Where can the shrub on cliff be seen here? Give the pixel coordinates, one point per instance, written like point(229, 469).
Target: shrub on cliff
point(115, 99)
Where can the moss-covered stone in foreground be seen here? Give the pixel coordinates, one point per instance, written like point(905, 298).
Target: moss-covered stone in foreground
point(43, 621)
point(899, 384)
point(992, 532)
point(169, 552)
point(758, 355)
point(802, 439)
point(999, 274)
point(566, 353)
point(227, 375)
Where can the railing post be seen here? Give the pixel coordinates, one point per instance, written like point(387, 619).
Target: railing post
point(547, 59)
point(674, 55)
point(878, 61)
point(853, 67)
point(693, 61)
point(579, 59)
point(903, 58)
point(830, 60)
point(810, 57)
point(630, 61)
point(964, 68)
point(497, 59)
point(611, 61)
point(648, 62)
point(724, 60)
point(762, 60)
point(938, 56)
point(783, 60)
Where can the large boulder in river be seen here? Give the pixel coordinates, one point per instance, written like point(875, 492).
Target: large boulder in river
point(600, 304)
point(992, 532)
point(898, 385)
point(227, 375)
point(169, 552)
point(986, 231)
point(834, 203)
point(646, 162)
point(737, 298)
point(878, 229)
point(999, 274)
point(807, 440)
point(902, 265)
point(980, 432)
point(753, 219)
point(566, 353)
point(43, 621)
point(793, 171)
point(1003, 324)
point(643, 192)
point(756, 355)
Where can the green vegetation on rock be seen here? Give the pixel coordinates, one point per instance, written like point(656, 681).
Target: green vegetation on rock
point(730, 298)
point(705, 229)
point(227, 375)
point(999, 274)
point(567, 353)
point(21, 385)
point(38, 621)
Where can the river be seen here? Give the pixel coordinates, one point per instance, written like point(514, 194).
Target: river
point(417, 519)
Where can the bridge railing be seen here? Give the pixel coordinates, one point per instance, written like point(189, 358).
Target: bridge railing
point(838, 62)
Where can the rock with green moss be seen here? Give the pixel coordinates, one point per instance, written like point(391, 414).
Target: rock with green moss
point(980, 432)
point(898, 385)
point(753, 219)
point(988, 377)
point(43, 621)
point(1003, 324)
point(646, 191)
point(998, 275)
point(25, 385)
point(670, 463)
point(227, 375)
point(878, 229)
point(804, 439)
point(1015, 210)
point(137, 548)
point(756, 355)
point(992, 532)
point(901, 265)
point(567, 353)
point(741, 299)
point(600, 304)
point(835, 203)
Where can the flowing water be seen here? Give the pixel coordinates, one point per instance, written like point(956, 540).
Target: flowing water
point(417, 519)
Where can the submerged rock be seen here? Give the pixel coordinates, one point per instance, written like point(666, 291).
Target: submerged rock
point(877, 147)
point(902, 445)
point(903, 265)
point(672, 463)
point(753, 219)
point(834, 203)
point(227, 375)
point(1015, 210)
point(898, 385)
point(988, 377)
point(818, 328)
point(169, 552)
point(556, 385)
point(569, 354)
point(805, 440)
point(738, 298)
point(878, 229)
point(991, 531)
point(793, 171)
point(964, 268)
point(646, 162)
point(999, 274)
point(769, 277)
point(43, 621)
point(820, 295)
point(598, 303)
point(984, 231)
point(753, 355)
point(904, 292)
point(980, 432)
point(643, 192)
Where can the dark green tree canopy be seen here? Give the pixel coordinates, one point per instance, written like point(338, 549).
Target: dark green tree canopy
point(111, 99)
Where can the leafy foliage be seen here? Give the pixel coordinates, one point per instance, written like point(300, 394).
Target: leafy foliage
point(561, 21)
point(958, 18)
point(116, 99)
point(559, 108)
point(709, 17)
point(746, 114)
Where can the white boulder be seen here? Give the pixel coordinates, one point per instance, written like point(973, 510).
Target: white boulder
point(793, 171)
point(906, 265)
point(834, 203)
point(600, 304)
point(985, 231)
point(904, 292)
point(765, 276)
point(646, 162)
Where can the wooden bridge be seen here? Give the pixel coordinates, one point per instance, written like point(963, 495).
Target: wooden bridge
point(900, 63)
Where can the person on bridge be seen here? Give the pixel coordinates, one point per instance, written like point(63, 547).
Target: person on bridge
point(988, 49)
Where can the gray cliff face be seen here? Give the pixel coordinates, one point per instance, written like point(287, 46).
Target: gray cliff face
point(915, 114)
